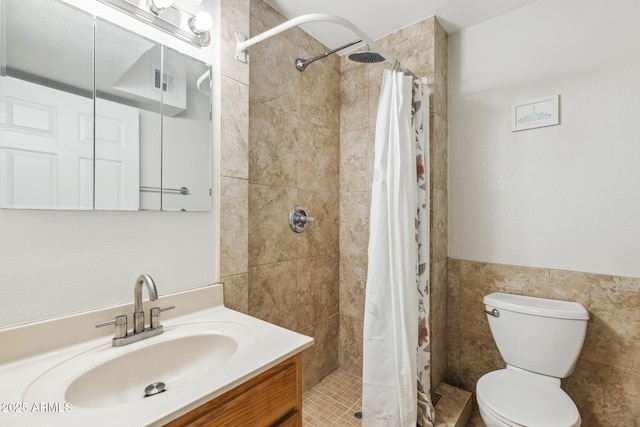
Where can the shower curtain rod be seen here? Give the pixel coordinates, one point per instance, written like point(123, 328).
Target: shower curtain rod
point(243, 43)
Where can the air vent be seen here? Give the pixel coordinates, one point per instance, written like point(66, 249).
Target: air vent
point(166, 84)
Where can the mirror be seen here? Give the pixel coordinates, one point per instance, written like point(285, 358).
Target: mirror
point(134, 135)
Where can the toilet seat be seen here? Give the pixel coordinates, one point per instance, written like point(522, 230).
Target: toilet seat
point(520, 399)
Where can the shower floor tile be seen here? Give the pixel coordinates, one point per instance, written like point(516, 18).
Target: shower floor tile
point(333, 401)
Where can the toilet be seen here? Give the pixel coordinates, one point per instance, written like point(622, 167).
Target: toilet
point(540, 340)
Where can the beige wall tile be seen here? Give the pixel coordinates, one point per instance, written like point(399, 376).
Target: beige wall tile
point(318, 289)
point(234, 129)
point(351, 344)
point(439, 230)
point(438, 321)
point(478, 355)
point(320, 96)
point(453, 293)
point(438, 159)
point(273, 151)
point(613, 332)
point(353, 281)
point(321, 236)
point(354, 222)
point(452, 373)
point(271, 66)
point(413, 46)
point(233, 226)
point(354, 96)
point(604, 396)
point(354, 160)
point(273, 293)
point(318, 154)
point(271, 238)
point(440, 71)
point(236, 292)
point(321, 359)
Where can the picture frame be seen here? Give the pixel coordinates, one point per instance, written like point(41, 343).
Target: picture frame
point(535, 113)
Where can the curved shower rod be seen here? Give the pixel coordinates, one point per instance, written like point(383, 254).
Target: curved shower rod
point(243, 43)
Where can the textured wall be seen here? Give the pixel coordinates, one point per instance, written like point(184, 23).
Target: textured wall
point(294, 160)
point(566, 196)
point(606, 383)
point(421, 47)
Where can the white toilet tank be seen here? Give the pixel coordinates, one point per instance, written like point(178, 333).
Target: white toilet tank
point(537, 334)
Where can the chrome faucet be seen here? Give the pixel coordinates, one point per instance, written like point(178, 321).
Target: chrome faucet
point(138, 313)
point(139, 331)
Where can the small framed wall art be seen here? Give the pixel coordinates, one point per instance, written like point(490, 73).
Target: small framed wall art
point(535, 113)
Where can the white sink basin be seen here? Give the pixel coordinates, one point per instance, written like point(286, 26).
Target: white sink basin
point(124, 378)
point(108, 376)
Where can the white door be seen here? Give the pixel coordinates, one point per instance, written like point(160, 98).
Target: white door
point(47, 150)
point(117, 156)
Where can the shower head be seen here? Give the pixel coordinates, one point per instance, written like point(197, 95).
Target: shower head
point(366, 57)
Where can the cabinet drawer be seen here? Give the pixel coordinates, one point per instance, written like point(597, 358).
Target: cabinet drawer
point(272, 398)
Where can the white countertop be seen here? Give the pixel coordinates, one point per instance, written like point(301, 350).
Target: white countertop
point(261, 346)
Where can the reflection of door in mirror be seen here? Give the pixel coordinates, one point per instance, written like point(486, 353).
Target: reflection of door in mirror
point(46, 115)
point(134, 134)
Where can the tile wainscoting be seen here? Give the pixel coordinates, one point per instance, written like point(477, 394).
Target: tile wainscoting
point(606, 383)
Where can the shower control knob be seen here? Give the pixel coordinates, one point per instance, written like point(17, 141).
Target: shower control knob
point(298, 219)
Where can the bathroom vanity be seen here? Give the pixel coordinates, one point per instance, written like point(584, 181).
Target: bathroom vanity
point(217, 367)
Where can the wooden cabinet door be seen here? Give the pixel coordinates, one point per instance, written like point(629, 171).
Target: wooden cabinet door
point(273, 398)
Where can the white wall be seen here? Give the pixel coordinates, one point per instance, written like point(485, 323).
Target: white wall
point(54, 263)
point(566, 196)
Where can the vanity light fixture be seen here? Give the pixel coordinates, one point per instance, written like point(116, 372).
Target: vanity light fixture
point(158, 6)
point(172, 19)
point(200, 25)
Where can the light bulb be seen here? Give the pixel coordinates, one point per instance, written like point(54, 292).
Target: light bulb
point(158, 6)
point(201, 23)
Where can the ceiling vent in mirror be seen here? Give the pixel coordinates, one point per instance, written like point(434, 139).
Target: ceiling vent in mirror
point(143, 83)
point(166, 83)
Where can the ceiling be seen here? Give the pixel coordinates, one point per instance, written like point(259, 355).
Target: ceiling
point(377, 18)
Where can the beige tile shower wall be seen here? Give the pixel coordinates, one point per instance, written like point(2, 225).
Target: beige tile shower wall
point(606, 383)
point(421, 47)
point(294, 155)
point(233, 157)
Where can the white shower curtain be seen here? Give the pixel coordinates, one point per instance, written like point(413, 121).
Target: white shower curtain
point(396, 342)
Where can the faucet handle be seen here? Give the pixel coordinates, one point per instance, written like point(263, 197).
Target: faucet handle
point(121, 325)
point(155, 315)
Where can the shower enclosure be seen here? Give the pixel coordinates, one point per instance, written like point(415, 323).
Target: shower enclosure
point(276, 102)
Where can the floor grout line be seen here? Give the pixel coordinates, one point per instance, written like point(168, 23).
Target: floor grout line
point(333, 401)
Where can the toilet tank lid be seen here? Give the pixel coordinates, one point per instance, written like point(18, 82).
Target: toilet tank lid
point(537, 306)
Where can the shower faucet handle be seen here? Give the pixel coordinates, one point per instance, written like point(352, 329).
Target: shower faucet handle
point(298, 219)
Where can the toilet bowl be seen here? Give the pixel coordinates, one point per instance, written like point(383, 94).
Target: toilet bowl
point(540, 341)
point(510, 397)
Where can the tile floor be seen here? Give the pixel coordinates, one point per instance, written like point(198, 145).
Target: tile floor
point(333, 401)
